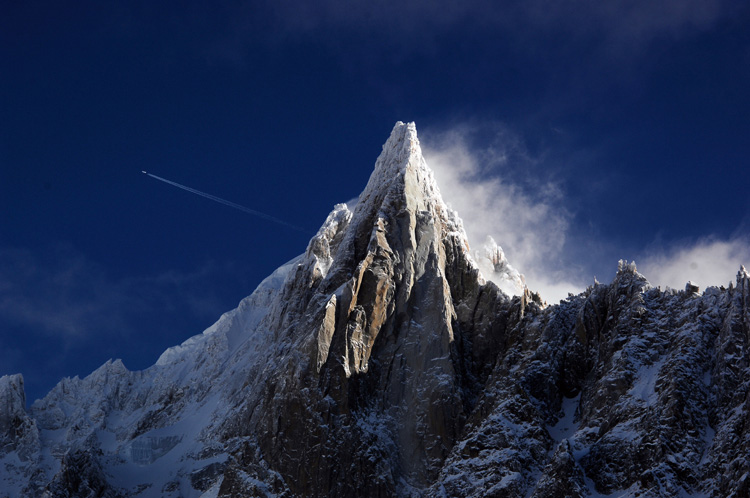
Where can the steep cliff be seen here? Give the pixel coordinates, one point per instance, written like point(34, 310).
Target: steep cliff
point(623, 390)
point(390, 347)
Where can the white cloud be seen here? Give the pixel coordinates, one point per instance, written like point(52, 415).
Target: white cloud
point(496, 191)
point(707, 262)
point(501, 190)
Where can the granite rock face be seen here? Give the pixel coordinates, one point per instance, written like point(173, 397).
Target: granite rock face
point(17, 430)
point(394, 348)
point(623, 389)
point(382, 362)
point(19, 435)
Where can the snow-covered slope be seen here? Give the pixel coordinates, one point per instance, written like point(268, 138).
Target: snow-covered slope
point(147, 433)
point(385, 361)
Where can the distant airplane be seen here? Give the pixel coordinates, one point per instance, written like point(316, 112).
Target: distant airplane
point(228, 203)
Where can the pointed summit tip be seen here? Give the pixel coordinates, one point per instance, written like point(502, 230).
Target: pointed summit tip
point(402, 175)
point(405, 130)
point(402, 157)
point(402, 146)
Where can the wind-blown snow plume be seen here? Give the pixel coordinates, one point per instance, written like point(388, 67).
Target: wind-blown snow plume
point(230, 204)
point(528, 221)
point(708, 262)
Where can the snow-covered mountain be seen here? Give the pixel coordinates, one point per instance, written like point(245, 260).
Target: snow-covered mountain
point(382, 362)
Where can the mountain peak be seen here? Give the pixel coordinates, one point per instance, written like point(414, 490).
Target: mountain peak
point(401, 160)
point(401, 149)
point(401, 189)
point(401, 180)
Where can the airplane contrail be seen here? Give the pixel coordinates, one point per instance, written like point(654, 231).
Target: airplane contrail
point(229, 203)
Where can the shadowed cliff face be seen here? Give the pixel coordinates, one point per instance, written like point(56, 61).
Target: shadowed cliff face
point(380, 363)
point(623, 389)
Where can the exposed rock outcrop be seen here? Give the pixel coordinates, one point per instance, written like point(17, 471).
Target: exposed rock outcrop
point(393, 370)
point(18, 432)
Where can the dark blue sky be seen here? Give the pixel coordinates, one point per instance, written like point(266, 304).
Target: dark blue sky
point(612, 131)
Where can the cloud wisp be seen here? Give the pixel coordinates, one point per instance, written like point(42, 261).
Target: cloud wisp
point(634, 21)
point(495, 192)
point(418, 26)
point(63, 294)
point(500, 189)
point(707, 262)
point(62, 314)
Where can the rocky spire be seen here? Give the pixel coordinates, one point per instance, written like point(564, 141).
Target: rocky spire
point(387, 292)
point(401, 174)
point(17, 430)
point(394, 238)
